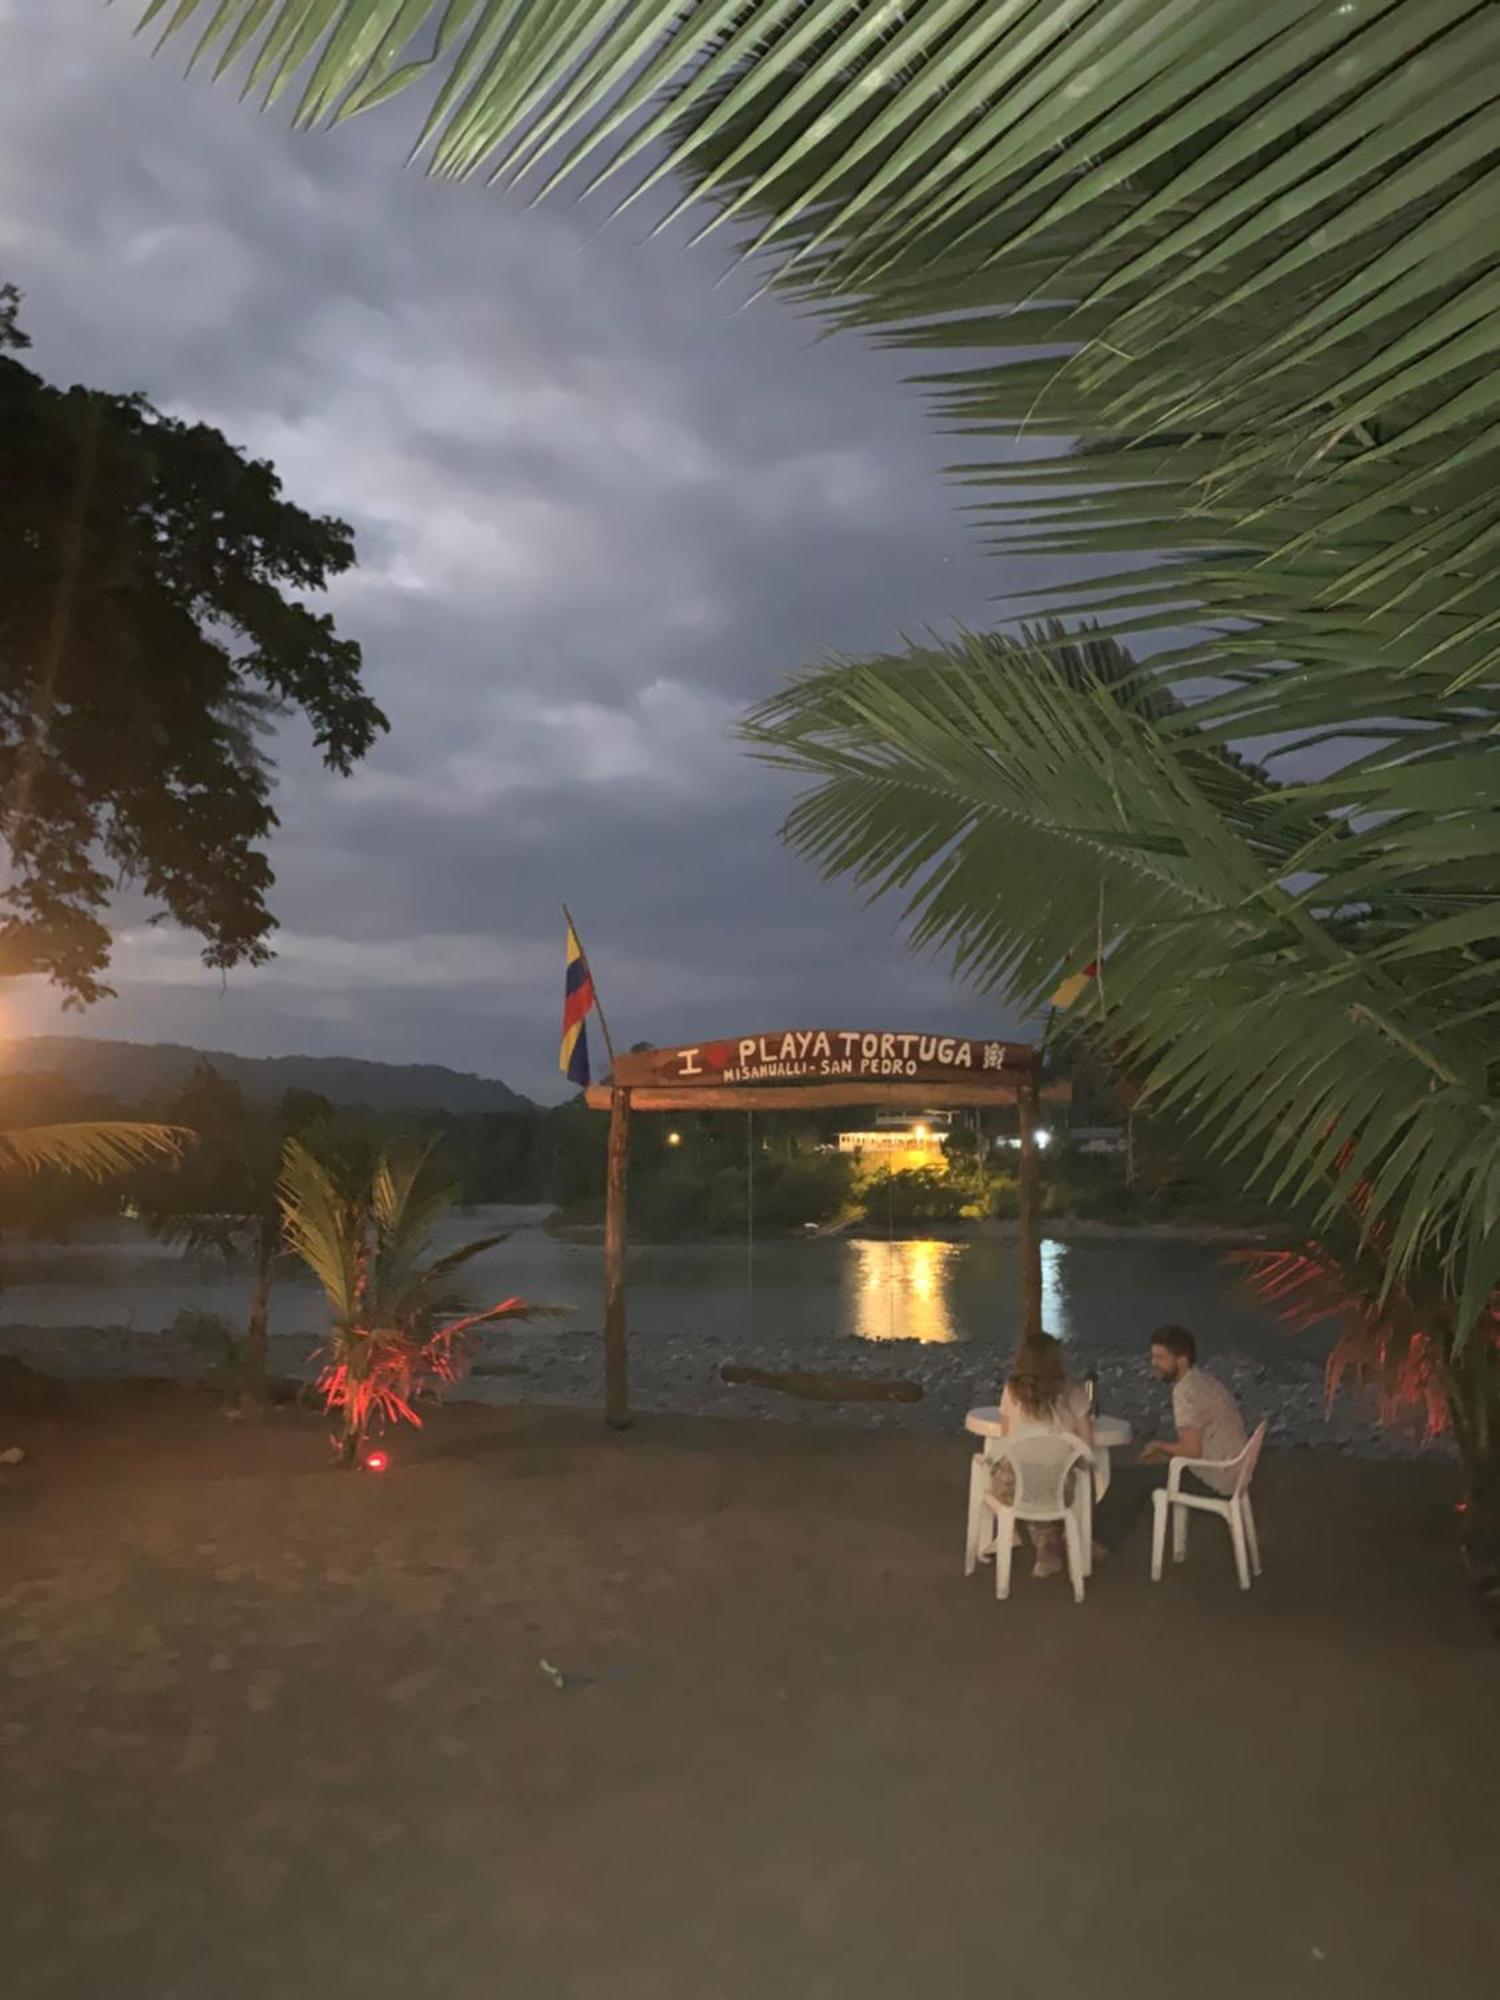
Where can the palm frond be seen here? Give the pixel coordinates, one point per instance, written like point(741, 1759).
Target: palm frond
point(519, 1309)
point(1249, 250)
point(1386, 1343)
point(400, 1327)
point(1025, 813)
point(1246, 258)
point(224, 1235)
point(100, 1151)
point(323, 1229)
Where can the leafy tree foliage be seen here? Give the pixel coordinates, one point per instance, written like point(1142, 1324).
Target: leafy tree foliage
point(152, 629)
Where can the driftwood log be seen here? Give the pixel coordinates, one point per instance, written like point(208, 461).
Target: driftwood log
point(824, 1388)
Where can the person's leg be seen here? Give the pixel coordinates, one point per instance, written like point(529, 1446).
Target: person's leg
point(1128, 1498)
point(1003, 1486)
point(1047, 1540)
point(1048, 1537)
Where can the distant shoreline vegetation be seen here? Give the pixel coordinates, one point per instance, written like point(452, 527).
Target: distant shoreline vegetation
point(691, 1176)
point(676, 1198)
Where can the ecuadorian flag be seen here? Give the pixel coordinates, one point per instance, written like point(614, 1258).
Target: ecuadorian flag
point(1075, 985)
point(578, 1003)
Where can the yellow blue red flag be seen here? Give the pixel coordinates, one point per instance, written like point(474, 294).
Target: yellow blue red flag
point(1075, 984)
point(578, 1004)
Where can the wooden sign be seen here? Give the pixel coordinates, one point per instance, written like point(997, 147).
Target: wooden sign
point(827, 1055)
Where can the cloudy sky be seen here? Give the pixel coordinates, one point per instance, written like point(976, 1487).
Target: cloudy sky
point(602, 502)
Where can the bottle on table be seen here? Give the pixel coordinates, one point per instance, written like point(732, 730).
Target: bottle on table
point(1091, 1390)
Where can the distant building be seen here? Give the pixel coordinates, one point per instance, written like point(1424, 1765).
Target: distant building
point(902, 1143)
point(1098, 1139)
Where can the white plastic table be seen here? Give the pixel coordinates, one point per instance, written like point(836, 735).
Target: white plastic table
point(1110, 1434)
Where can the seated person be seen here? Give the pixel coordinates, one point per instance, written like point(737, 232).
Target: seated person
point(1208, 1420)
point(1039, 1397)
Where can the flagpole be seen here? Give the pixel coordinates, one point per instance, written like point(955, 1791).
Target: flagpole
point(598, 1003)
point(616, 1189)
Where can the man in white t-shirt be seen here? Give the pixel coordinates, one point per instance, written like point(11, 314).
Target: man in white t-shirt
point(1209, 1424)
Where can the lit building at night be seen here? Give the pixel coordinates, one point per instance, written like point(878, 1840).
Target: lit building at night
point(901, 1143)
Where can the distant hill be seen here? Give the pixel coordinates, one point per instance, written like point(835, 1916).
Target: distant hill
point(131, 1072)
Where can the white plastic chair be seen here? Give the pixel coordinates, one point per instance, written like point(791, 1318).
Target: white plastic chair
point(1234, 1508)
point(982, 1465)
point(979, 1486)
point(1042, 1461)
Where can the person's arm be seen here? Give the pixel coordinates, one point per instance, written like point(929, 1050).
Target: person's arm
point(1083, 1418)
point(1188, 1444)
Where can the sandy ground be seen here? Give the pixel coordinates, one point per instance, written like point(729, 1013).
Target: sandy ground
point(270, 1731)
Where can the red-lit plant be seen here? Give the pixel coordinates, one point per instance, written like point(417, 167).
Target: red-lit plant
point(401, 1330)
point(1399, 1339)
point(1386, 1344)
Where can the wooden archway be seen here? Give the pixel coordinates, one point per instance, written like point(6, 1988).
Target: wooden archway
point(803, 1069)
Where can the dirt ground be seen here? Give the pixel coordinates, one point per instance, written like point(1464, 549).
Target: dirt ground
point(271, 1732)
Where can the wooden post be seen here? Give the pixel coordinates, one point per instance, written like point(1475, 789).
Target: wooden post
point(616, 1326)
point(1031, 1220)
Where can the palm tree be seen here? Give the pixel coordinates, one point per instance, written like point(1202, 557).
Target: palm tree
point(1267, 972)
point(400, 1327)
point(226, 1201)
point(1246, 257)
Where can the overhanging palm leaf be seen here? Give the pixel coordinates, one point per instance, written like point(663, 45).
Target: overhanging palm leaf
point(1029, 812)
point(1305, 190)
point(100, 1151)
point(1250, 249)
point(1246, 255)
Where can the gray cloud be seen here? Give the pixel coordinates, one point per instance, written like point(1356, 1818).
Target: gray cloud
point(602, 502)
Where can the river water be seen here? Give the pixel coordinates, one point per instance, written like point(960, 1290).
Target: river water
point(1099, 1295)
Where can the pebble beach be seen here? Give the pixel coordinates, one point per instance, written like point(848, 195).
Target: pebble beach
point(560, 1364)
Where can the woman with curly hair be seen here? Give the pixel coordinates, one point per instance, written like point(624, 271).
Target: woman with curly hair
point(1039, 1397)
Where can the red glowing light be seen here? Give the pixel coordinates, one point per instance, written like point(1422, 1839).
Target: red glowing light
point(377, 1461)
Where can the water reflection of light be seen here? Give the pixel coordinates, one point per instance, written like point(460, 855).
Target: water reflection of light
point(903, 1291)
point(1054, 1309)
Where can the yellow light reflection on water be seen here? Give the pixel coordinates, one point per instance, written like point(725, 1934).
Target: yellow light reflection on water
point(1054, 1303)
point(903, 1291)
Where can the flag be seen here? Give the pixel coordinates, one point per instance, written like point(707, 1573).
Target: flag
point(1075, 984)
point(578, 1004)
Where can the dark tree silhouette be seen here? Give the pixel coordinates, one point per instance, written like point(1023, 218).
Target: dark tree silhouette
point(151, 630)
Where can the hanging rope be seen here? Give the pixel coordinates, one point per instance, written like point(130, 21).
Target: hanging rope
point(750, 1204)
point(890, 1254)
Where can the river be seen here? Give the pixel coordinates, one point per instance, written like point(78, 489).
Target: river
point(938, 1313)
point(1099, 1295)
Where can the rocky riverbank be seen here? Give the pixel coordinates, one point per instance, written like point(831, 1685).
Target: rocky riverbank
point(1055, 1228)
point(550, 1365)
